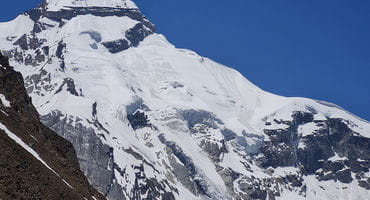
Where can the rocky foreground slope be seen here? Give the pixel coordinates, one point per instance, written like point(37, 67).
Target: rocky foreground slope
point(150, 121)
point(35, 163)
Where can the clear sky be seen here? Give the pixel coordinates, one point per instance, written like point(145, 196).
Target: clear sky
point(318, 49)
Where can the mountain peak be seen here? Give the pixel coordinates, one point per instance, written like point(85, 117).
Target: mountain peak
point(151, 121)
point(55, 5)
point(60, 10)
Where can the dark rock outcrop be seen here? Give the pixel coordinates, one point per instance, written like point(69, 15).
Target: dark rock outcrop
point(95, 158)
point(116, 45)
point(332, 152)
point(23, 176)
point(70, 84)
point(71, 12)
point(138, 120)
point(133, 37)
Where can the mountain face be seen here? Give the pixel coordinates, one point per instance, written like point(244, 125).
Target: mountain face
point(35, 163)
point(150, 121)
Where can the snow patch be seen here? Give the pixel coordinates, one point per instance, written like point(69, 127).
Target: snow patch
point(55, 5)
point(284, 171)
point(336, 158)
point(5, 102)
point(26, 147)
point(307, 129)
point(333, 190)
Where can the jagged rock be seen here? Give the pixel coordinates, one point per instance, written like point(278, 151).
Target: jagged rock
point(117, 45)
point(96, 11)
point(137, 34)
point(134, 36)
point(228, 134)
point(344, 176)
point(138, 120)
point(25, 42)
point(229, 176)
point(22, 42)
point(52, 170)
point(94, 157)
point(214, 150)
point(71, 88)
point(209, 133)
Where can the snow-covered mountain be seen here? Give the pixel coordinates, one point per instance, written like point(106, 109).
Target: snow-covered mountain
point(150, 121)
point(35, 162)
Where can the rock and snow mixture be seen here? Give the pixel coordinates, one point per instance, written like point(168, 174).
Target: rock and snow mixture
point(35, 163)
point(151, 121)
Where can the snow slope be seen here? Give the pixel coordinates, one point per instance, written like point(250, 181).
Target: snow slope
point(4, 101)
point(55, 5)
point(202, 120)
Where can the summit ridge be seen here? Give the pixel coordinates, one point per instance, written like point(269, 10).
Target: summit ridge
point(55, 5)
point(152, 121)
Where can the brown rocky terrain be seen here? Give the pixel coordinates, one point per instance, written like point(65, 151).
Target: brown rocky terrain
point(22, 175)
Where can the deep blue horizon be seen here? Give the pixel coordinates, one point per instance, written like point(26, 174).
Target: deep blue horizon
point(314, 49)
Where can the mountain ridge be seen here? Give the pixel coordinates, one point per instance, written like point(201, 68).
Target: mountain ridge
point(31, 152)
point(170, 124)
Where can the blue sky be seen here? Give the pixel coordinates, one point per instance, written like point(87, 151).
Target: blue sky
point(318, 49)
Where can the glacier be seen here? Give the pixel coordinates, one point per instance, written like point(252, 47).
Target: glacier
point(151, 121)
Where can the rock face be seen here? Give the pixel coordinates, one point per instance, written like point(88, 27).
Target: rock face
point(52, 171)
point(150, 121)
point(134, 36)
